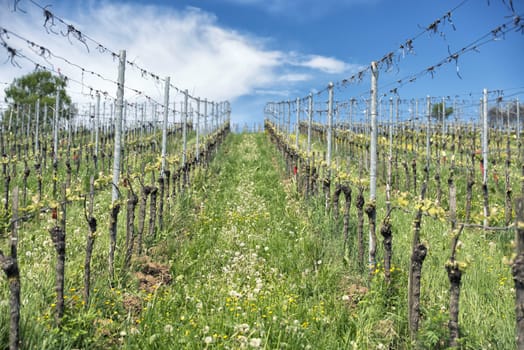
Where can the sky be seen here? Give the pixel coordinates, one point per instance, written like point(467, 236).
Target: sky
point(250, 52)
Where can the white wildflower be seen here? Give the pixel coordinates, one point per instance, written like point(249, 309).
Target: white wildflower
point(255, 342)
point(208, 339)
point(235, 294)
point(242, 340)
point(242, 328)
point(168, 328)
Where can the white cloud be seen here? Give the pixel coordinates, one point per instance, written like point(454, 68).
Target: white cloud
point(325, 64)
point(188, 45)
point(300, 10)
point(294, 77)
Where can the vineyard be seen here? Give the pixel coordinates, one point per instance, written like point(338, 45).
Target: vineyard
point(253, 245)
point(346, 221)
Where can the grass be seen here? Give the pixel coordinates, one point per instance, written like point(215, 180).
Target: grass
point(254, 265)
point(250, 272)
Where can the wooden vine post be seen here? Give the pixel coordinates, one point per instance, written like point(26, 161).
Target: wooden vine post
point(7, 180)
point(371, 209)
point(132, 200)
point(390, 156)
point(184, 139)
point(309, 121)
point(507, 183)
point(146, 190)
point(9, 265)
point(58, 235)
point(470, 182)
point(90, 241)
point(359, 203)
point(162, 177)
point(336, 199)
point(297, 124)
point(97, 131)
point(346, 190)
point(37, 129)
point(152, 211)
point(115, 206)
point(429, 134)
point(452, 194)
point(454, 276)
point(55, 142)
point(518, 273)
point(387, 234)
point(418, 254)
point(485, 156)
point(327, 179)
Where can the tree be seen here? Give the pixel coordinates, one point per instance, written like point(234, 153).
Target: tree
point(436, 111)
point(24, 91)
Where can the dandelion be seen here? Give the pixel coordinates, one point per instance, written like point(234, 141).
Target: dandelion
point(168, 328)
point(242, 328)
point(242, 340)
point(235, 294)
point(345, 297)
point(255, 342)
point(208, 339)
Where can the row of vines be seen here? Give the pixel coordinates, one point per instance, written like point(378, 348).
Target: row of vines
point(433, 181)
point(56, 189)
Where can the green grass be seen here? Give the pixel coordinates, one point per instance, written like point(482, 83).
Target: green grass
point(255, 265)
point(249, 273)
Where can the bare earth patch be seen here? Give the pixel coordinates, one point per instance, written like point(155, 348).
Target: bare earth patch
point(152, 275)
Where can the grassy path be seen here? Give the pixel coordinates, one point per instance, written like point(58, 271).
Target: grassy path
point(247, 271)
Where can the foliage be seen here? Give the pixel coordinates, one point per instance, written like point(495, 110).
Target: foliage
point(436, 110)
point(39, 85)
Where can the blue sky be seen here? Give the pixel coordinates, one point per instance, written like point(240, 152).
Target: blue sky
point(254, 51)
